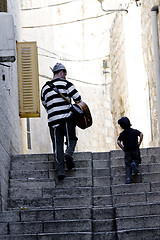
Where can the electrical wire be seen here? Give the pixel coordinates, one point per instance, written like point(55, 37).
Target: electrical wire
point(71, 60)
point(77, 80)
point(5, 65)
point(64, 23)
point(113, 10)
point(63, 58)
point(53, 5)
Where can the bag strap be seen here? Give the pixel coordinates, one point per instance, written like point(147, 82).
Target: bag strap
point(57, 91)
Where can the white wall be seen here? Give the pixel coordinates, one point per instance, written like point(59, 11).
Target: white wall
point(10, 134)
point(81, 46)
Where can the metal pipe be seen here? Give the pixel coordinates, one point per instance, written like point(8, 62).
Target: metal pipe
point(154, 12)
point(112, 10)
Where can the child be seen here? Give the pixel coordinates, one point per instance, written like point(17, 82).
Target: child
point(129, 141)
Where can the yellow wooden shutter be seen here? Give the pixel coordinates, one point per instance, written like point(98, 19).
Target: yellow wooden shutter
point(3, 5)
point(28, 79)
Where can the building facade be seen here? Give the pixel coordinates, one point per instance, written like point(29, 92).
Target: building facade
point(133, 80)
point(110, 59)
point(10, 124)
point(73, 33)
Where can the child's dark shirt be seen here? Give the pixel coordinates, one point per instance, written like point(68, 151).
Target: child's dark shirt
point(129, 137)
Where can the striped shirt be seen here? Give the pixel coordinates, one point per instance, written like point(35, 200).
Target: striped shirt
point(58, 109)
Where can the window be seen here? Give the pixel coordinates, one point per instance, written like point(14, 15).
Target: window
point(3, 5)
point(28, 134)
point(28, 80)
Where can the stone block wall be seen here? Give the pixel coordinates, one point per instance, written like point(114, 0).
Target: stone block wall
point(10, 135)
point(134, 97)
point(149, 63)
point(119, 84)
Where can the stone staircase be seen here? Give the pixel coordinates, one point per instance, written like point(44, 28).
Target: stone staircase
point(137, 205)
point(92, 203)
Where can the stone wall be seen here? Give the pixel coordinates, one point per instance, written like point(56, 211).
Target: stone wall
point(133, 89)
point(119, 84)
point(149, 64)
point(10, 137)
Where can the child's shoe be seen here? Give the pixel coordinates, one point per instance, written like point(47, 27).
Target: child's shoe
point(134, 168)
point(128, 181)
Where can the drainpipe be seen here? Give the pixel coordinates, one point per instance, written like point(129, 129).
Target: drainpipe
point(154, 12)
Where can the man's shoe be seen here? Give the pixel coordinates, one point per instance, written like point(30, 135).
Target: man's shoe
point(61, 177)
point(134, 168)
point(69, 161)
point(128, 181)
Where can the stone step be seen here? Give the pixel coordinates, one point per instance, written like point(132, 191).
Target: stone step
point(19, 237)
point(50, 157)
point(102, 201)
point(50, 226)
point(150, 233)
point(50, 236)
point(141, 178)
point(23, 174)
point(89, 204)
point(67, 191)
point(141, 197)
point(101, 172)
point(131, 188)
point(50, 173)
point(57, 202)
point(102, 225)
point(100, 156)
point(101, 164)
point(135, 188)
point(101, 190)
point(138, 222)
point(20, 158)
point(105, 235)
point(45, 165)
point(153, 151)
point(50, 183)
point(99, 213)
point(140, 209)
point(32, 183)
point(148, 156)
point(37, 201)
point(50, 192)
point(71, 201)
point(145, 160)
point(148, 168)
point(50, 214)
point(73, 213)
point(32, 166)
point(101, 181)
point(66, 236)
point(29, 203)
point(46, 161)
point(145, 152)
point(129, 198)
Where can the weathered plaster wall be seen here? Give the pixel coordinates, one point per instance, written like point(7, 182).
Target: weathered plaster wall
point(10, 134)
point(81, 46)
point(133, 82)
point(149, 64)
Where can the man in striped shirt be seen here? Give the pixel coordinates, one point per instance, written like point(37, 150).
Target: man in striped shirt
point(60, 119)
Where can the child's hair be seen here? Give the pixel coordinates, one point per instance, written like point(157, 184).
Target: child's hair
point(124, 122)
